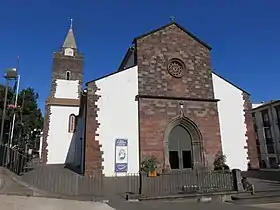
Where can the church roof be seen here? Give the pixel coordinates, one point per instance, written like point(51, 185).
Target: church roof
point(70, 40)
point(179, 26)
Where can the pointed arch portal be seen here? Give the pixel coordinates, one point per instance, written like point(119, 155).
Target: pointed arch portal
point(183, 145)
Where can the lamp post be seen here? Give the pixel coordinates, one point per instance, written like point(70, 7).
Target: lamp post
point(10, 75)
point(14, 114)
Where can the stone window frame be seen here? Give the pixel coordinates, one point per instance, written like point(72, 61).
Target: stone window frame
point(72, 123)
point(198, 156)
point(180, 62)
point(68, 75)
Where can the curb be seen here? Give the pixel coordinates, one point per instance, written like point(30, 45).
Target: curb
point(197, 195)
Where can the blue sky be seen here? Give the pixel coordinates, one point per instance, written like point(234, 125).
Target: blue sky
point(244, 36)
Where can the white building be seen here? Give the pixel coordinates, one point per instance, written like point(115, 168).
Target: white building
point(163, 101)
point(266, 123)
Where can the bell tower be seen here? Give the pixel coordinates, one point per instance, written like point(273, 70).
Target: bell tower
point(63, 102)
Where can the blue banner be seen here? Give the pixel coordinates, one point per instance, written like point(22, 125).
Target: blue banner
point(121, 161)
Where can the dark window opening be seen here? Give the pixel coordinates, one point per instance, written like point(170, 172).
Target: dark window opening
point(278, 116)
point(267, 132)
point(187, 159)
point(68, 75)
point(269, 141)
point(272, 162)
point(72, 123)
point(260, 161)
point(270, 148)
point(265, 118)
point(263, 165)
point(174, 159)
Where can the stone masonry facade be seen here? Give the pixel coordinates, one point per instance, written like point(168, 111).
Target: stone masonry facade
point(156, 114)
point(93, 153)
point(61, 64)
point(250, 133)
point(194, 90)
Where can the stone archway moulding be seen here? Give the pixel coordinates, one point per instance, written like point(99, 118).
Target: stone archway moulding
point(197, 141)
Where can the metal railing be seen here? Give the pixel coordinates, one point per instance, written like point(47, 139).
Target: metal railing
point(180, 182)
point(13, 160)
point(50, 178)
point(62, 181)
point(59, 180)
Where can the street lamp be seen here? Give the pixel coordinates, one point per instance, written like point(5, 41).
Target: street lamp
point(10, 75)
point(14, 115)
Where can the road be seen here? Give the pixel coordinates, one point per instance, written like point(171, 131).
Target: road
point(9, 202)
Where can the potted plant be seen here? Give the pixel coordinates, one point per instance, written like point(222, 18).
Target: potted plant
point(149, 166)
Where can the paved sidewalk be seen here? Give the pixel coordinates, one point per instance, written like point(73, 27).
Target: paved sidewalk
point(178, 205)
point(267, 206)
point(38, 203)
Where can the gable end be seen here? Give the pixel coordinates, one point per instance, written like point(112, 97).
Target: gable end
point(177, 25)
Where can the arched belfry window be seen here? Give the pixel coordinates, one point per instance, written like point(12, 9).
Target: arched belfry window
point(68, 75)
point(71, 123)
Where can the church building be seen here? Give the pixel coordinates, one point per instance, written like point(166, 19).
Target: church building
point(164, 101)
point(62, 105)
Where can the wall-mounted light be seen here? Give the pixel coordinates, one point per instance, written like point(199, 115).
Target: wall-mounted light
point(181, 105)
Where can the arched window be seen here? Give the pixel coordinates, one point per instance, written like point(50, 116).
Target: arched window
point(68, 75)
point(72, 122)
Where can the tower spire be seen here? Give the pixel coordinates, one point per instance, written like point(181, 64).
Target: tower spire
point(69, 41)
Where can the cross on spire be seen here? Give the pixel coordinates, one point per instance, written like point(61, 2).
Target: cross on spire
point(71, 23)
point(69, 41)
point(172, 18)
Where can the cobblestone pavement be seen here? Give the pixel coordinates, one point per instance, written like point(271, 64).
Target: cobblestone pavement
point(37, 203)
